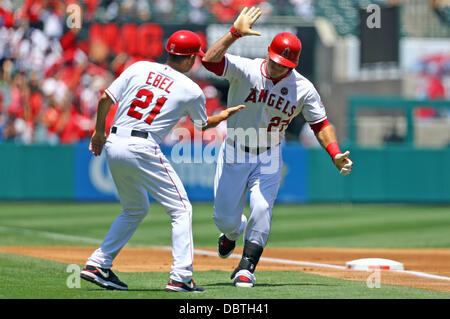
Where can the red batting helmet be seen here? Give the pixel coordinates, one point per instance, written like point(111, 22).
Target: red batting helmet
point(184, 42)
point(285, 49)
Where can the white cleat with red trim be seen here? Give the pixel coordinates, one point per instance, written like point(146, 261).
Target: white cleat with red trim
point(244, 278)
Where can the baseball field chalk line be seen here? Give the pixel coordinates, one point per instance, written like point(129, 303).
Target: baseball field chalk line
point(49, 235)
point(95, 241)
point(273, 260)
point(305, 263)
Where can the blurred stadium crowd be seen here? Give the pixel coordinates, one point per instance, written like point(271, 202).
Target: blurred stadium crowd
point(51, 76)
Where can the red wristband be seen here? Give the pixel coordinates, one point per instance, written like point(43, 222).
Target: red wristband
point(333, 149)
point(235, 32)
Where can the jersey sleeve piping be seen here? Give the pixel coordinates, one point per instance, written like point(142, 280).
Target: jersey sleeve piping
point(323, 118)
point(111, 96)
point(226, 66)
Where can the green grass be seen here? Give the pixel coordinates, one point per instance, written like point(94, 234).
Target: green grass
point(374, 226)
point(383, 226)
point(66, 223)
point(48, 279)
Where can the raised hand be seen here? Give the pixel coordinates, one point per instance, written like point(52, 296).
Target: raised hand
point(245, 21)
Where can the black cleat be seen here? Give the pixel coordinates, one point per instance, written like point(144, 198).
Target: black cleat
point(178, 286)
point(225, 246)
point(102, 277)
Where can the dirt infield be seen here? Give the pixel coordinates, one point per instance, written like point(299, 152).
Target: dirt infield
point(431, 261)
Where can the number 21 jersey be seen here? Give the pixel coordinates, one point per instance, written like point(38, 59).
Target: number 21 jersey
point(153, 97)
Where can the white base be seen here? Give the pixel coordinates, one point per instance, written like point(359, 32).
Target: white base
point(374, 264)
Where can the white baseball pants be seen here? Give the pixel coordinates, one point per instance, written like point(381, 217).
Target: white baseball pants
point(138, 167)
point(236, 176)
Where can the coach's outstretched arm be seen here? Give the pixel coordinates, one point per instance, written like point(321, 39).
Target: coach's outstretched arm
point(99, 137)
point(242, 27)
point(326, 136)
point(214, 120)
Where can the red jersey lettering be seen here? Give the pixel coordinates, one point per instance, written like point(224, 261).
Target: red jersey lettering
point(160, 81)
point(292, 110)
point(285, 107)
point(157, 80)
point(279, 102)
point(263, 96)
point(163, 83)
point(251, 96)
point(150, 75)
point(167, 88)
point(271, 100)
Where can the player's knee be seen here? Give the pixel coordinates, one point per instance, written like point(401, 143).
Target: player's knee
point(136, 214)
point(179, 210)
point(226, 224)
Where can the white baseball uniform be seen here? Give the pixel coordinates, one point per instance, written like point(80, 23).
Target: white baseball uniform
point(152, 98)
point(269, 109)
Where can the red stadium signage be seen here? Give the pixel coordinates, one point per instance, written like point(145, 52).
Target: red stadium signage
point(144, 40)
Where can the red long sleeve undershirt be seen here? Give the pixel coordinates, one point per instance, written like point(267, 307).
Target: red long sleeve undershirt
point(215, 67)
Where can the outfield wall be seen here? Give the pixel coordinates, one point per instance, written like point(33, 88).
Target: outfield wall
point(393, 174)
point(390, 174)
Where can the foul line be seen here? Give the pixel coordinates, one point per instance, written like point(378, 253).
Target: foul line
point(310, 264)
point(95, 241)
point(273, 260)
point(49, 235)
point(422, 274)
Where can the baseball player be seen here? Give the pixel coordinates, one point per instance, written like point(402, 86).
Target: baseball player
point(274, 93)
point(152, 97)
